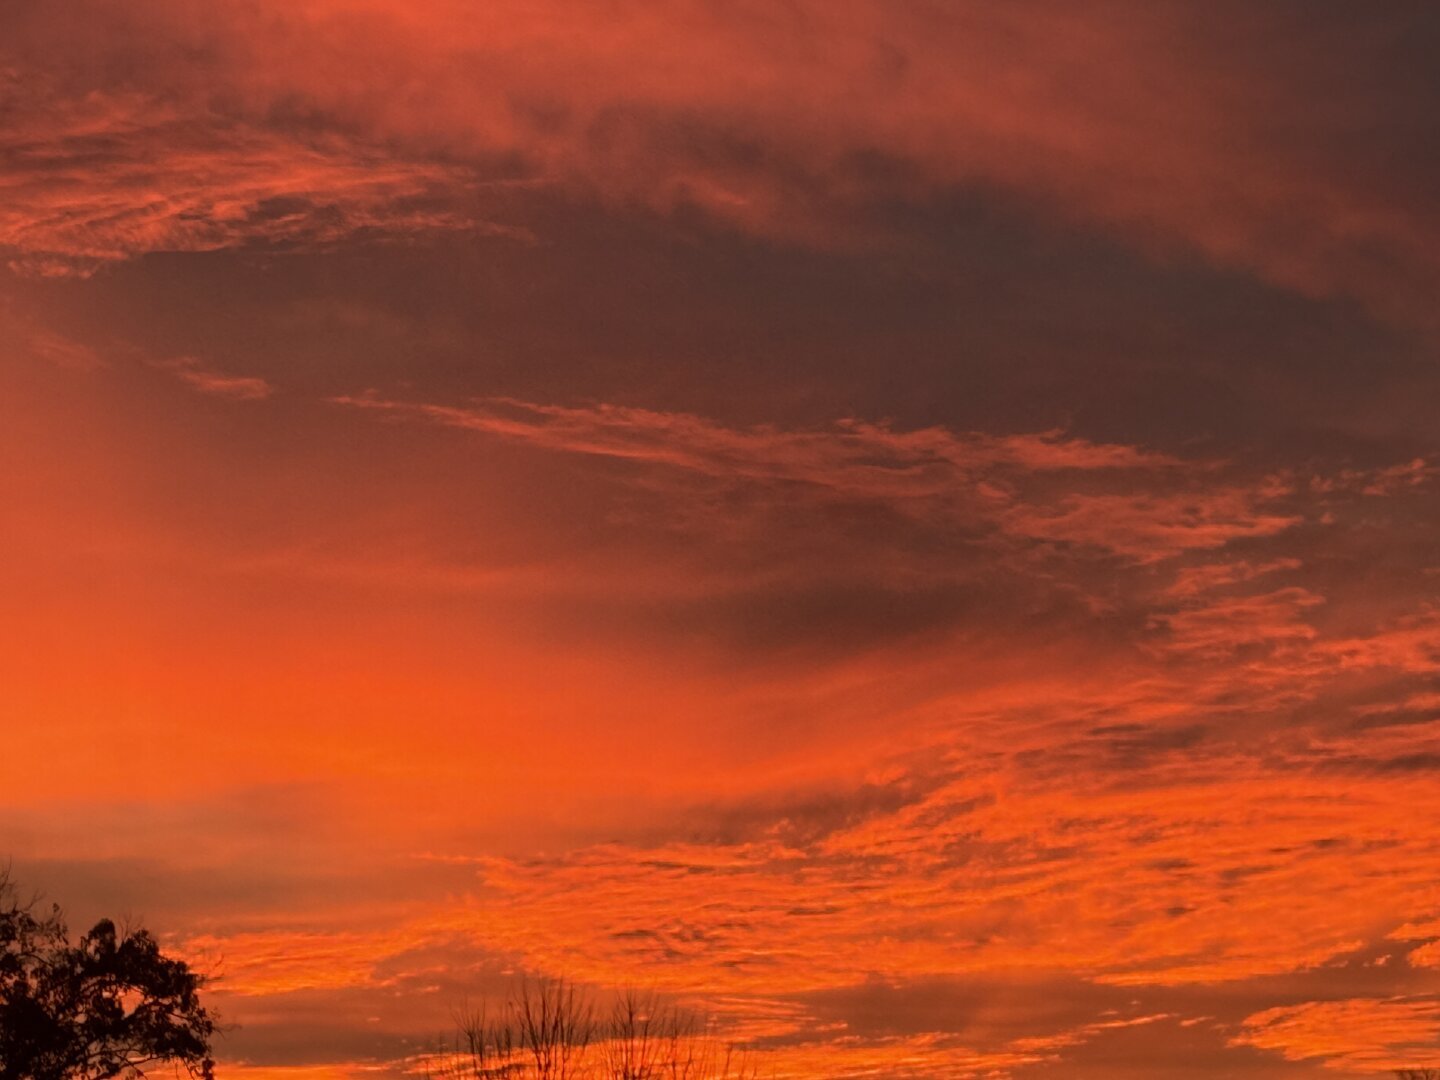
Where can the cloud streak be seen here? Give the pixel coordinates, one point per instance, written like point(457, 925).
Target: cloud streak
point(111, 176)
point(997, 482)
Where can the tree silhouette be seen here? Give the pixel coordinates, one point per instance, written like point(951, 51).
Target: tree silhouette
point(544, 1032)
point(547, 1030)
point(109, 1005)
point(554, 1027)
point(646, 1038)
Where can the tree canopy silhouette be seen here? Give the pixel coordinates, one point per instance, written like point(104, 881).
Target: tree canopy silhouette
point(108, 1005)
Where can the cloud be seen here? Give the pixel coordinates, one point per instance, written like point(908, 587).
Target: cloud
point(193, 373)
point(1361, 1034)
point(1227, 628)
point(114, 174)
point(855, 457)
point(1154, 526)
point(1164, 887)
point(63, 352)
point(1178, 133)
point(991, 482)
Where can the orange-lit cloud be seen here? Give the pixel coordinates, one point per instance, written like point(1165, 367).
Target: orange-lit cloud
point(920, 472)
point(110, 176)
point(1365, 1034)
point(241, 387)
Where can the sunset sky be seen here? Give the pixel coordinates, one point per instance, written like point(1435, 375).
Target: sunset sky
point(910, 525)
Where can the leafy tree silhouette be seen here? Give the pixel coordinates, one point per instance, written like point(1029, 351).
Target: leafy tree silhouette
point(109, 1005)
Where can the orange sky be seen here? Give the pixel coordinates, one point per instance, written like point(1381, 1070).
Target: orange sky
point(911, 526)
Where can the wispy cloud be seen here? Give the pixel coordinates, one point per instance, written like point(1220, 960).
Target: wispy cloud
point(195, 374)
point(1027, 486)
point(1358, 1034)
point(113, 175)
point(853, 456)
